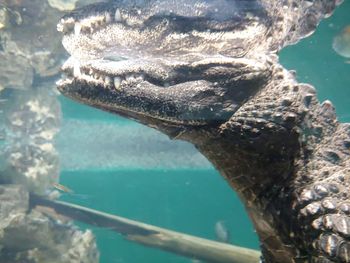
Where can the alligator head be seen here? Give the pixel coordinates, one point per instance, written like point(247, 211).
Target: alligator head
point(188, 62)
point(183, 63)
point(206, 71)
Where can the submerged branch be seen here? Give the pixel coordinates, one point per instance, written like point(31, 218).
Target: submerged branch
point(148, 235)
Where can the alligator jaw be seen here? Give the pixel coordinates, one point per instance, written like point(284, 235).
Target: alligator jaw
point(146, 62)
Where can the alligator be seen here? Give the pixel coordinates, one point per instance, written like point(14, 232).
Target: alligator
point(207, 71)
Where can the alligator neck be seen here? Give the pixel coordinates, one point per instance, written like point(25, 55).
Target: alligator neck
point(260, 173)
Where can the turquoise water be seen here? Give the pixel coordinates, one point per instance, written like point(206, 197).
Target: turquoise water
point(184, 200)
point(176, 197)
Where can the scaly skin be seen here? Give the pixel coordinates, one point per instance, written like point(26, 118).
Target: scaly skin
point(215, 81)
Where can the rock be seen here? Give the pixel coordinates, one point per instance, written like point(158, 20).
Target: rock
point(33, 237)
point(10, 66)
point(29, 119)
point(32, 121)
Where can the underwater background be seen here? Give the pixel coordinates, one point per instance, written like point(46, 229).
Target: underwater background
point(120, 167)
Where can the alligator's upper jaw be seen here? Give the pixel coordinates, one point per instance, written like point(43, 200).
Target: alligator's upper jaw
point(170, 29)
point(149, 64)
point(187, 94)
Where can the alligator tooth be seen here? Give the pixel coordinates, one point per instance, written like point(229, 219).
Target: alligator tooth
point(77, 29)
point(107, 80)
point(117, 15)
point(117, 82)
point(76, 70)
point(108, 18)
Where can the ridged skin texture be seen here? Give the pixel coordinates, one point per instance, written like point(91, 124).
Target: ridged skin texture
point(310, 203)
point(323, 205)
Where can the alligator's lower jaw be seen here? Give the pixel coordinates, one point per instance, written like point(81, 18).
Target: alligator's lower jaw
point(114, 98)
point(72, 88)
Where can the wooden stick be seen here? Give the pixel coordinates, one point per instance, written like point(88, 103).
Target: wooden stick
point(152, 236)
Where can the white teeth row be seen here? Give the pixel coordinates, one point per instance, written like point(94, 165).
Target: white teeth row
point(91, 24)
point(106, 81)
point(88, 25)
